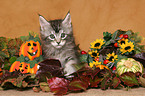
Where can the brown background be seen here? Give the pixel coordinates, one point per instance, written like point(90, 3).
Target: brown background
point(90, 18)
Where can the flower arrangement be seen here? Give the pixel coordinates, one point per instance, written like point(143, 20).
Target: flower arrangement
point(112, 62)
point(112, 48)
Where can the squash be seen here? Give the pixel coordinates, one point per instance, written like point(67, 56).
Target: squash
point(127, 65)
point(30, 49)
point(23, 67)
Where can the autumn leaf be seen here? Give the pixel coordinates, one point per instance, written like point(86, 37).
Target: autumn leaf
point(115, 82)
point(59, 86)
point(129, 79)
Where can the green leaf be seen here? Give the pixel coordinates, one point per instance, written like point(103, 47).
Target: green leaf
point(12, 60)
point(83, 58)
point(107, 36)
point(32, 63)
point(129, 79)
point(26, 59)
point(114, 35)
point(129, 32)
point(21, 58)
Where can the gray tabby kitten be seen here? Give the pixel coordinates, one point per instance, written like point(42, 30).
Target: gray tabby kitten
point(58, 42)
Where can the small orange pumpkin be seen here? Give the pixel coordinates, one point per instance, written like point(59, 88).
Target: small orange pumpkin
point(24, 67)
point(30, 49)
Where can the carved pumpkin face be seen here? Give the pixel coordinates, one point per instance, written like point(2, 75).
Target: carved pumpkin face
point(23, 67)
point(30, 49)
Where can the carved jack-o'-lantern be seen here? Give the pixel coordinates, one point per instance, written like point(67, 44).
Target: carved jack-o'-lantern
point(23, 67)
point(30, 49)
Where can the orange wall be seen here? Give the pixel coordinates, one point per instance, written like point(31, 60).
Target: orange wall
point(90, 18)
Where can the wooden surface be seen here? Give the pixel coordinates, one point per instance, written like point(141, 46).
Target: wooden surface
point(90, 18)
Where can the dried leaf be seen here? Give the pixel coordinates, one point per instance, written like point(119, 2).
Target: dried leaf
point(36, 89)
point(44, 87)
point(142, 81)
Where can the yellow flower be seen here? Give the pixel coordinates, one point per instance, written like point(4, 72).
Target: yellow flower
point(97, 44)
point(94, 63)
point(94, 54)
point(112, 57)
point(127, 47)
point(122, 41)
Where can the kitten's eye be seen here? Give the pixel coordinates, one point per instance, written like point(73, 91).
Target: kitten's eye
point(52, 37)
point(63, 35)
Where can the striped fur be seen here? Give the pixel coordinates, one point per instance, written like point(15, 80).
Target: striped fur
point(61, 44)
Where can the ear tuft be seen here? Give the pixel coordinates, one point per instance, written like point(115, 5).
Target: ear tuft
point(43, 21)
point(67, 20)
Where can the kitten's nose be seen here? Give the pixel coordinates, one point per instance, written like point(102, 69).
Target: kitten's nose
point(58, 43)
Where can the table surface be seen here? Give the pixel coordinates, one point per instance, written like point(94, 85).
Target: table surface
point(90, 92)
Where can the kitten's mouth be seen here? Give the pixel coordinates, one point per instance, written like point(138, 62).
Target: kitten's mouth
point(33, 53)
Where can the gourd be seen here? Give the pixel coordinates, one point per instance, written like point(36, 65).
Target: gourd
point(23, 67)
point(127, 65)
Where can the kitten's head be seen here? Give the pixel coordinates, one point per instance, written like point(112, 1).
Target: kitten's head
point(55, 32)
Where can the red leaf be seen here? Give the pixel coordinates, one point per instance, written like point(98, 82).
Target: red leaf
point(59, 86)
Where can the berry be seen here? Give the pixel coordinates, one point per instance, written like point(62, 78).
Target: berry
point(96, 59)
point(138, 74)
point(83, 52)
point(114, 68)
point(106, 61)
point(115, 44)
point(143, 75)
point(125, 36)
point(121, 36)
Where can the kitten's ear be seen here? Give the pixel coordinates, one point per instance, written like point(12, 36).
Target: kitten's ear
point(43, 21)
point(67, 20)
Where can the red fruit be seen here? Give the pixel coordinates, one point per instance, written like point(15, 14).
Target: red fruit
point(143, 75)
point(83, 52)
point(138, 74)
point(115, 44)
point(106, 61)
point(125, 36)
point(96, 59)
point(114, 68)
point(121, 36)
